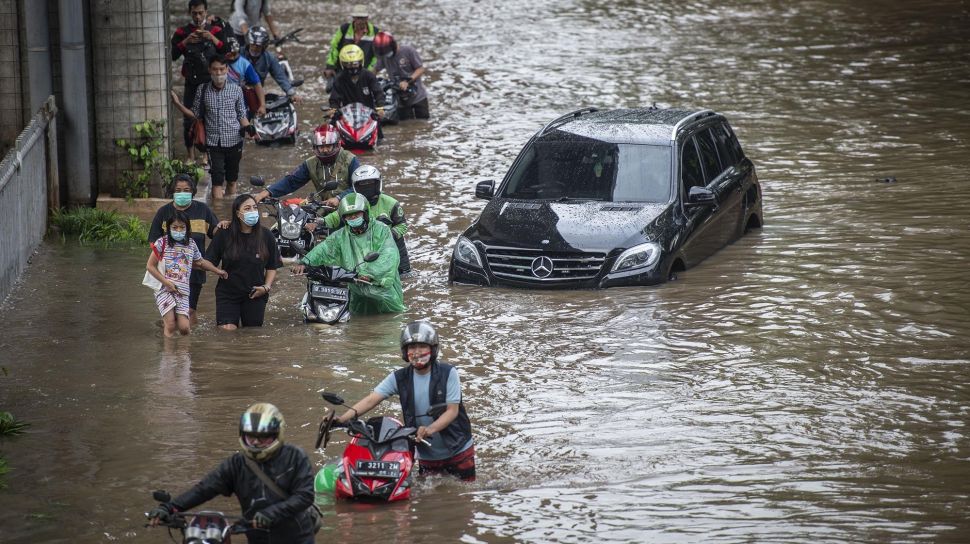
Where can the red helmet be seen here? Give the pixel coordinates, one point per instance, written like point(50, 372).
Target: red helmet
point(326, 135)
point(384, 44)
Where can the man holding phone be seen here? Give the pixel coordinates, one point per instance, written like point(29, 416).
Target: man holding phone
point(197, 42)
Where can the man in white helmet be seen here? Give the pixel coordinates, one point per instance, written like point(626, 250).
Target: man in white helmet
point(283, 514)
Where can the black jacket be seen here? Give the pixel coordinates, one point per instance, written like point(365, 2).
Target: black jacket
point(365, 90)
point(290, 468)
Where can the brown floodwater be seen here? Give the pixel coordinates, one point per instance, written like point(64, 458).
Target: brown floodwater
point(808, 383)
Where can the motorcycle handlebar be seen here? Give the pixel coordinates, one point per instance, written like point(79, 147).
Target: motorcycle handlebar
point(286, 37)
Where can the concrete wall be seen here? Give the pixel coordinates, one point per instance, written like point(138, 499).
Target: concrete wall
point(131, 80)
point(12, 119)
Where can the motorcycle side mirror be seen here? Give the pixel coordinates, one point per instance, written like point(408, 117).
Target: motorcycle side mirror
point(371, 257)
point(297, 247)
point(256, 181)
point(332, 398)
point(296, 82)
point(161, 496)
point(330, 186)
point(437, 409)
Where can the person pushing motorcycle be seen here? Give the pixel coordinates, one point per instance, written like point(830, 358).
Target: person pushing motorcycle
point(426, 381)
point(378, 285)
point(386, 209)
point(329, 162)
point(264, 458)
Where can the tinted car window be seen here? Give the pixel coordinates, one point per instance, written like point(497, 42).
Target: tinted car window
point(734, 143)
point(564, 166)
point(725, 148)
point(690, 167)
point(705, 144)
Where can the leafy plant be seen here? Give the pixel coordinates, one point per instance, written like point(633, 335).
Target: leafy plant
point(152, 163)
point(95, 225)
point(11, 426)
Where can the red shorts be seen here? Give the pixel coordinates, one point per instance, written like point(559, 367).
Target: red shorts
point(461, 465)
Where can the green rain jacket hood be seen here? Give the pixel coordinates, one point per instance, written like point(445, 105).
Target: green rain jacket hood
point(345, 249)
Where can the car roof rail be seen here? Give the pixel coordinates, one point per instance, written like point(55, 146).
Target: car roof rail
point(563, 119)
point(692, 117)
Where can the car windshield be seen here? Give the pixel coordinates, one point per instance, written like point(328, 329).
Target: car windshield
point(563, 166)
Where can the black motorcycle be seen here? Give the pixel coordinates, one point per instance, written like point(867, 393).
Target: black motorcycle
point(292, 216)
point(327, 297)
point(394, 98)
point(280, 123)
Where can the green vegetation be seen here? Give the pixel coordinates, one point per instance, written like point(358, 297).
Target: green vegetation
point(9, 426)
point(93, 225)
point(151, 162)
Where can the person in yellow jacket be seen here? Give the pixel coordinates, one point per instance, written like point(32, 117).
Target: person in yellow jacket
point(379, 290)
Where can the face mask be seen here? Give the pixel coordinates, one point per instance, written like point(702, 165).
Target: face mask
point(182, 199)
point(354, 72)
point(220, 79)
point(355, 223)
point(178, 235)
point(251, 218)
point(421, 361)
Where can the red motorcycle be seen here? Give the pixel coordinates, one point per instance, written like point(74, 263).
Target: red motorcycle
point(377, 463)
point(358, 126)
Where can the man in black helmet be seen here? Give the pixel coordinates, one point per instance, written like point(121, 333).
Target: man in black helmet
point(281, 512)
point(423, 383)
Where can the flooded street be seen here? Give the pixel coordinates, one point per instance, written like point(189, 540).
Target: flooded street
point(809, 383)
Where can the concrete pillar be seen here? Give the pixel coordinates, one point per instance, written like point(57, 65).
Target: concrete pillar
point(12, 119)
point(38, 53)
point(74, 78)
point(130, 79)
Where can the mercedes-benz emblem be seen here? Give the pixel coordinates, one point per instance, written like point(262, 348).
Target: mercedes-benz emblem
point(541, 267)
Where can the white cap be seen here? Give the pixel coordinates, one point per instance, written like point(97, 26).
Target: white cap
point(359, 10)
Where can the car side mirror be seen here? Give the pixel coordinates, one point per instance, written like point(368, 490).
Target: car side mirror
point(700, 196)
point(485, 189)
point(256, 181)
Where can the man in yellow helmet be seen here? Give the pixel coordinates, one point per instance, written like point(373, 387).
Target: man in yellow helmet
point(354, 84)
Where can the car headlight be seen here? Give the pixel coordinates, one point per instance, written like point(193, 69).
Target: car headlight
point(638, 256)
point(466, 252)
point(290, 230)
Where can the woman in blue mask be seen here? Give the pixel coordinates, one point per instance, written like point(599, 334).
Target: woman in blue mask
point(171, 262)
point(201, 220)
point(248, 252)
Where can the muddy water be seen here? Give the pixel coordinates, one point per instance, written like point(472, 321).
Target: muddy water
point(808, 383)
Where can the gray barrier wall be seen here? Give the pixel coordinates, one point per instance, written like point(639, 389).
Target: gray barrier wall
point(26, 173)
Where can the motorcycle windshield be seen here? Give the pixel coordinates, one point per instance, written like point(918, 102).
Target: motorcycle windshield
point(356, 115)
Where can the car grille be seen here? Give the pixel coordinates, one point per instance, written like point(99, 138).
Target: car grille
point(518, 264)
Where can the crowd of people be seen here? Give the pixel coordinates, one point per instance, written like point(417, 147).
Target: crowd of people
point(225, 66)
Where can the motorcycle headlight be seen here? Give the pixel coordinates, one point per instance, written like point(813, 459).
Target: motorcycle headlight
point(466, 252)
point(290, 230)
point(638, 256)
point(329, 313)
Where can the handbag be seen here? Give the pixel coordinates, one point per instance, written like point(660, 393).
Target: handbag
point(150, 281)
point(313, 510)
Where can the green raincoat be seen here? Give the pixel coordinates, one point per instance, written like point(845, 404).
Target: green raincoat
point(345, 249)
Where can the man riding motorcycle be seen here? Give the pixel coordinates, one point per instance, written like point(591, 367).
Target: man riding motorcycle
point(330, 162)
point(289, 518)
point(355, 84)
point(265, 62)
point(378, 289)
point(367, 182)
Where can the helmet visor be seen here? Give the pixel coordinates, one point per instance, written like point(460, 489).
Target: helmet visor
point(259, 440)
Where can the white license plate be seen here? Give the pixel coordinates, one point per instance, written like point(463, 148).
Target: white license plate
point(338, 293)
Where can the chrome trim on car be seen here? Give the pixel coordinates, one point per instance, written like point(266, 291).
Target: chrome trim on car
point(688, 119)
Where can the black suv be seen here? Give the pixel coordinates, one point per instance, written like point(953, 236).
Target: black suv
point(607, 198)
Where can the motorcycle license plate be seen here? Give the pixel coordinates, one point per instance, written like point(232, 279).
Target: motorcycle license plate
point(378, 469)
point(338, 293)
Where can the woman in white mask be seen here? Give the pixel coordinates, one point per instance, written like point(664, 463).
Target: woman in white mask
point(248, 252)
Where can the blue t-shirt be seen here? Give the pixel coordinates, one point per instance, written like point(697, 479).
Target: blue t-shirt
point(422, 403)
